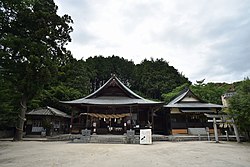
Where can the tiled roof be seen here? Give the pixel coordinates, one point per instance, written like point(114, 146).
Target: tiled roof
point(177, 102)
point(131, 99)
point(48, 111)
point(193, 105)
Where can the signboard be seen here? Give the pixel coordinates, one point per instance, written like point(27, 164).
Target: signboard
point(145, 136)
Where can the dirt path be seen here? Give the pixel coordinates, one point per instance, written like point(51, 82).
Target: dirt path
point(63, 154)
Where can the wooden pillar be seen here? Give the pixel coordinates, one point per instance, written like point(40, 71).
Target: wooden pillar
point(138, 116)
point(186, 121)
point(51, 120)
point(71, 121)
point(152, 120)
point(87, 117)
point(215, 131)
point(148, 118)
point(79, 119)
point(130, 111)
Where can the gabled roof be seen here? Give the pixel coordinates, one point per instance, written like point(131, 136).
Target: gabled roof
point(197, 103)
point(113, 92)
point(114, 80)
point(48, 111)
point(184, 94)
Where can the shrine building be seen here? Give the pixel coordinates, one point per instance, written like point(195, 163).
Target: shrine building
point(188, 113)
point(114, 109)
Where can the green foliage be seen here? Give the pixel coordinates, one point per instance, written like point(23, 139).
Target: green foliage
point(74, 75)
point(210, 92)
point(32, 43)
point(8, 106)
point(54, 94)
point(155, 77)
point(72, 83)
point(101, 68)
point(239, 106)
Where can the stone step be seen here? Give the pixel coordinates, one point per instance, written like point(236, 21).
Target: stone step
point(108, 139)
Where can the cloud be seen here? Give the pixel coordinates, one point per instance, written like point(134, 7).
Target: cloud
point(202, 39)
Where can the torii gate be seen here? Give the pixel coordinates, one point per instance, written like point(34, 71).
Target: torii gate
point(223, 119)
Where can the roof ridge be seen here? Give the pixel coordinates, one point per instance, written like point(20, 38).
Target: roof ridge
point(133, 98)
point(179, 96)
point(129, 90)
point(54, 110)
point(90, 95)
point(120, 82)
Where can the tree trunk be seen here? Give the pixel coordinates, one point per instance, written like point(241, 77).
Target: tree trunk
point(21, 119)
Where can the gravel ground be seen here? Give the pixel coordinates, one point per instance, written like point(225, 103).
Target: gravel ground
point(64, 154)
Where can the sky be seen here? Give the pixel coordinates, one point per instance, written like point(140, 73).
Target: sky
point(202, 39)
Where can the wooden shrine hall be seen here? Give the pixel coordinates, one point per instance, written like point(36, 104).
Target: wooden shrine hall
point(187, 112)
point(114, 109)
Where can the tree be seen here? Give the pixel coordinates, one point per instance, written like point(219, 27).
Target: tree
point(52, 96)
point(8, 105)
point(101, 68)
point(210, 92)
point(32, 46)
point(239, 106)
point(155, 77)
point(71, 83)
point(75, 75)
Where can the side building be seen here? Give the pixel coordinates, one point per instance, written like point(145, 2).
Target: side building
point(187, 112)
point(47, 119)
